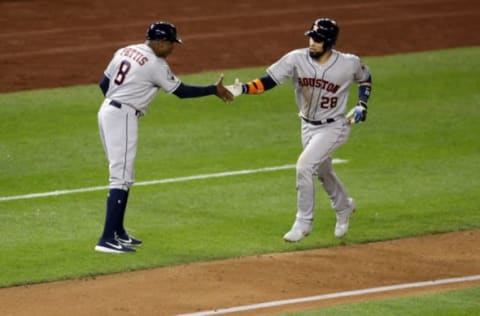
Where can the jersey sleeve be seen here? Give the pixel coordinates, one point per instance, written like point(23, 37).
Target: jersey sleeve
point(164, 78)
point(110, 70)
point(283, 69)
point(362, 72)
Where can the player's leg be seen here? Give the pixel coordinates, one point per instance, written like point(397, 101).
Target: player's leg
point(119, 226)
point(118, 131)
point(319, 143)
point(127, 169)
point(306, 167)
point(121, 233)
point(116, 203)
point(307, 164)
point(340, 200)
point(333, 186)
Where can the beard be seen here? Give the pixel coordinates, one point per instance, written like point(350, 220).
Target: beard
point(316, 55)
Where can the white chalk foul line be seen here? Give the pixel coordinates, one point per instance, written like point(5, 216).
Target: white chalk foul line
point(335, 295)
point(154, 182)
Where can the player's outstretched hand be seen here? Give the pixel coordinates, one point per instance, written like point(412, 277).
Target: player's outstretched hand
point(236, 89)
point(222, 92)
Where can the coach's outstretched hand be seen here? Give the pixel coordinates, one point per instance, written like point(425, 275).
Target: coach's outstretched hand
point(222, 92)
point(236, 89)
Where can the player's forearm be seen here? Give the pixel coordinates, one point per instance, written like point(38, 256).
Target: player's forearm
point(186, 91)
point(364, 90)
point(258, 86)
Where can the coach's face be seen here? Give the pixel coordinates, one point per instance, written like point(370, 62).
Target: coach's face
point(163, 48)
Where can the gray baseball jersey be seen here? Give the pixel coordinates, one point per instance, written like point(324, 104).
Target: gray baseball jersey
point(321, 90)
point(136, 74)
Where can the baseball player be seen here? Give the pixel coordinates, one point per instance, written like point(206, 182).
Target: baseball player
point(321, 77)
point(131, 80)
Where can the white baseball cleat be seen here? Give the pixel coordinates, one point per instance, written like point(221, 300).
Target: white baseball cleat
point(298, 231)
point(343, 217)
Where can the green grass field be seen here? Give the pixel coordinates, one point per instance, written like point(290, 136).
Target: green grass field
point(412, 167)
point(450, 303)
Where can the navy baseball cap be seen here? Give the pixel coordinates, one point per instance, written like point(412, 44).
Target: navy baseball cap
point(163, 31)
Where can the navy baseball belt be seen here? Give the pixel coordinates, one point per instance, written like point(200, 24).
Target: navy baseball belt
point(119, 105)
point(325, 121)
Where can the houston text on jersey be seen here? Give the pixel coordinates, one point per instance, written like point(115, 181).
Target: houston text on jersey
point(318, 83)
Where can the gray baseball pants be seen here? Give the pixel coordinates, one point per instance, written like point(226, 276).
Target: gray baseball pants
point(319, 143)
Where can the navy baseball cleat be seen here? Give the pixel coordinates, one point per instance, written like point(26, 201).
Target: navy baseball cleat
point(112, 246)
point(129, 240)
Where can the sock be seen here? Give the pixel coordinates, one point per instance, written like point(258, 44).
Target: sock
point(120, 229)
point(115, 201)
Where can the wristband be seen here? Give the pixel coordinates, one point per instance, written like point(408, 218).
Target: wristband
point(255, 87)
point(364, 93)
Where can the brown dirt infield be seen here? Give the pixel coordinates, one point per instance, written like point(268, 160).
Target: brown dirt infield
point(52, 43)
point(244, 281)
